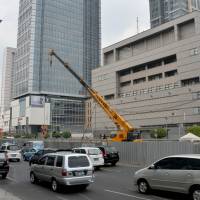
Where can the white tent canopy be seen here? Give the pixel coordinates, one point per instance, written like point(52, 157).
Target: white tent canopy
point(190, 137)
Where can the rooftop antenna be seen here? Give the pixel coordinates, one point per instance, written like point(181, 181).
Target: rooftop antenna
point(137, 25)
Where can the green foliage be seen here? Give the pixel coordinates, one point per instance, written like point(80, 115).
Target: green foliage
point(66, 134)
point(195, 129)
point(17, 135)
point(47, 136)
point(159, 133)
point(56, 135)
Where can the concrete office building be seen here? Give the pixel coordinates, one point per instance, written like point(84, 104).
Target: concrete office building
point(7, 78)
point(6, 85)
point(45, 94)
point(162, 11)
point(153, 78)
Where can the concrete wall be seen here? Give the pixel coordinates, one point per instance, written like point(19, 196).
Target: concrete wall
point(162, 102)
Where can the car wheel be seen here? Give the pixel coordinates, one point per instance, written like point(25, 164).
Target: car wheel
point(83, 187)
point(18, 160)
point(113, 163)
point(33, 178)
point(143, 186)
point(195, 193)
point(54, 185)
point(4, 176)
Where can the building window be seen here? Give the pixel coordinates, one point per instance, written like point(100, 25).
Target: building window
point(155, 77)
point(196, 110)
point(124, 84)
point(196, 95)
point(190, 81)
point(109, 97)
point(139, 80)
point(154, 64)
point(139, 68)
point(125, 72)
point(170, 59)
point(171, 73)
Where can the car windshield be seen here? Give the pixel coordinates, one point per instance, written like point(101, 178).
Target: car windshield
point(78, 161)
point(111, 149)
point(13, 147)
point(94, 151)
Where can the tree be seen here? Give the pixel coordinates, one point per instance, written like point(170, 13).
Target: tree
point(66, 134)
point(195, 129)
point(159, 133)
point(56, 135)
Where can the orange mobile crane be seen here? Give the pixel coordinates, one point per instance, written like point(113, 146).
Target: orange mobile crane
point(126, 132)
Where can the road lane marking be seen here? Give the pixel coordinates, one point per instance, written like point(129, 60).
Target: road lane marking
point(6, 195)
point(61, 198)
point(127, 195)
point(84, 196)
point(111, 170)
point(11, 179)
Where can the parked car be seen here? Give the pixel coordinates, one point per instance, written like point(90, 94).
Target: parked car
point(110, 154)
point(4, 166)
point(28, 153)
point(63, 168)
point(94, 154)
point(178, 173)
point(36, 144)
point(34, 159)
point(13, 151)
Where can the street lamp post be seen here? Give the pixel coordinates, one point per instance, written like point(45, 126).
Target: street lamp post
point(166, 127)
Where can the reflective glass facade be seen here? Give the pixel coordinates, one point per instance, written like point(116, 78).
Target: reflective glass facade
point(162, 11)
point(72, 29)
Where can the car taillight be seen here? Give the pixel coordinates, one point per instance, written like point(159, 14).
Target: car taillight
point(104, 154)
point(64, 172)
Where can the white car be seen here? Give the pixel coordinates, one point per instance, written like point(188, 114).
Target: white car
point(94, 154)
point(177, 173)
point(12, 151)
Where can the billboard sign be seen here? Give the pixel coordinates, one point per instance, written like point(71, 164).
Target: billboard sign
point(37, 101)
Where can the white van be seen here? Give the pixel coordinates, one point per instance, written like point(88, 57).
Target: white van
point(63, 168)
point(13, 151)
point(94, 154)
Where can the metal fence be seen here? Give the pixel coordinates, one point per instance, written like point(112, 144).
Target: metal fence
point(136, 154)
point(141, 154)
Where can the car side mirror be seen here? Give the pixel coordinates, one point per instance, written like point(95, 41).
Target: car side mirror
point(152, 167)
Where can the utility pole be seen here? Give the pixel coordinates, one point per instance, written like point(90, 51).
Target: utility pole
point(137, 25)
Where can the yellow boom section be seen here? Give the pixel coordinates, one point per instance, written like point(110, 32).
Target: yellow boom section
point(119, 121)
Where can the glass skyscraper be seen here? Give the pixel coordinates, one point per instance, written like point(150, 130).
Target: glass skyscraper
point(162, 11)
point(72, 29)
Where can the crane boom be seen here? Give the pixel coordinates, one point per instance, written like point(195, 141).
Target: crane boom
point(119, 121)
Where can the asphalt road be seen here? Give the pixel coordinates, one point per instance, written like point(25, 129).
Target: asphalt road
point(111, 183)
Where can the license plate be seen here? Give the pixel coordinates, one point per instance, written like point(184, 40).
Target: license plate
point(96, 159)
point(79, 173)
point(13, 155)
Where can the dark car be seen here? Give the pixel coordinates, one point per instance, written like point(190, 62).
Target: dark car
point(4, 166)
point(34, 159)
point(28, 154)
point(110, 154)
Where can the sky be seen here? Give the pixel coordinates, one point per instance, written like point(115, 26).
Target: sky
point(118, 21)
